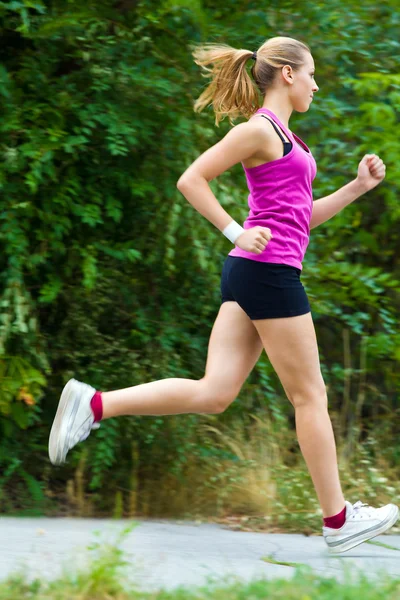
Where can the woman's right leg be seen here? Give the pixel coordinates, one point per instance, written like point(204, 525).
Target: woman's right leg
point(233, 350)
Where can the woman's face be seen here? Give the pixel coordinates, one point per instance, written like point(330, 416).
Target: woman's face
point(304, 85)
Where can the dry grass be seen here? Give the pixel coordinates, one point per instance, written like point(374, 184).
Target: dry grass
point(253, 476)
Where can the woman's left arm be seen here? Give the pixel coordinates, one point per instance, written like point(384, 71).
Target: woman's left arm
point(371, 171)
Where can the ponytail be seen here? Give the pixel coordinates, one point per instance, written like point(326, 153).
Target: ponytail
point(231, 92)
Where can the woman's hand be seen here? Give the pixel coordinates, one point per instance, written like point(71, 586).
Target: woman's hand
point(254, 240)
point(371, 171)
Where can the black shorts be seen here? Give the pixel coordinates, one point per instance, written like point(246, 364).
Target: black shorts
point(263, 290)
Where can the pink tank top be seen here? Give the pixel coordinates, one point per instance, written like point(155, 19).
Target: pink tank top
point(281, 198)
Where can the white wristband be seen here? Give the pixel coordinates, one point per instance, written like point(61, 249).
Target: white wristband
point(232, 231)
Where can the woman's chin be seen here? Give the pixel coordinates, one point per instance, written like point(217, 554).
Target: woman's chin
point(302, 108)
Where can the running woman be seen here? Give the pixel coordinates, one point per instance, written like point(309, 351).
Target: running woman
point(264, 304)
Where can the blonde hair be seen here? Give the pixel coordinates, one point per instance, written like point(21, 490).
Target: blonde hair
point(232, 92)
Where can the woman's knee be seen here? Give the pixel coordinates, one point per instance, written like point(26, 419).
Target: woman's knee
point(310, 395)
point(214, 397)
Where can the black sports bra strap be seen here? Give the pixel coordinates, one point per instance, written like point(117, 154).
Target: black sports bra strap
point(276, 129)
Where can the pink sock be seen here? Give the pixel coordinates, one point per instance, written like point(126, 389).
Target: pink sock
point(96, 404)
point(337, 521)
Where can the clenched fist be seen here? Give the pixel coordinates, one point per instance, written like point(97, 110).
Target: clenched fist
point(254, 240)
point(371, 171)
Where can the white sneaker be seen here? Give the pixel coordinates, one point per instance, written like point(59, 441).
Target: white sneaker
point(74, 420)
point(362, 523)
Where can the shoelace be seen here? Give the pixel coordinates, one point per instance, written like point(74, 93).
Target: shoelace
point(358, 506)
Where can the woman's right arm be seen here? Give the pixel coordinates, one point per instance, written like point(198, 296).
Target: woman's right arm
point(240, 143)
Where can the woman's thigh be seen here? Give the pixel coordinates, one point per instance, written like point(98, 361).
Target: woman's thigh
point(233, 350)
point(291, 346)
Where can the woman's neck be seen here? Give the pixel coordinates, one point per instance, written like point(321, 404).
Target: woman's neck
point(281, 108)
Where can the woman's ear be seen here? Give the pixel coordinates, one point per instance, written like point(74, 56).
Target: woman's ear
point(287, 74)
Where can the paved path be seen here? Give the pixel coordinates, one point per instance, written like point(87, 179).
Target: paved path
point(166, 554)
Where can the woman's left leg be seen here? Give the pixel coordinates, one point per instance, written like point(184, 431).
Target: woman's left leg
point(291, 346)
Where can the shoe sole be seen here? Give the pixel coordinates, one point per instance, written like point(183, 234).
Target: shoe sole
point(66, 408)
point(366, 535)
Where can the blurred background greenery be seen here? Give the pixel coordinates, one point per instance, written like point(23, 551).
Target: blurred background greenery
point(107, 274)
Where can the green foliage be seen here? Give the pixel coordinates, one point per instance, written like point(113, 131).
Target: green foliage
point(20, 385)
point(107, 274)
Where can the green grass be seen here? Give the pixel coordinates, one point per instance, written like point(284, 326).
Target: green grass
point(383, 545)
point(270, 559)
point(101, 584)
point(105, 579)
